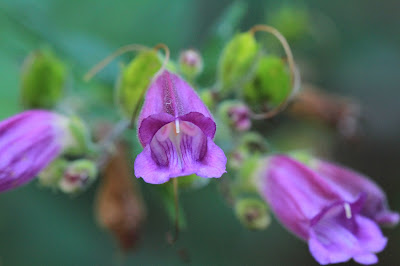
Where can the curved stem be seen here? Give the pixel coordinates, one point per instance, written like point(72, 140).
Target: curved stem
point(103, 63)
point(294, 73)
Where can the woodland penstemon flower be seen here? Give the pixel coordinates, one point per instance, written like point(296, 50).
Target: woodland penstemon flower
point(29, 141)
point(334, 215)
point(176, 130)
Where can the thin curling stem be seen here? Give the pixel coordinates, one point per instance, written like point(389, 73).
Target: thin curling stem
point(167, 53)
point(103, 63)
point(294, 73)
point(163, 66)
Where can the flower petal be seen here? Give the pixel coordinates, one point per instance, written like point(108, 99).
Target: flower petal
point(295, 193)
point(170, 94)
point(214, 162)
point(353, 183)
point(172, 154)
point(336, 237)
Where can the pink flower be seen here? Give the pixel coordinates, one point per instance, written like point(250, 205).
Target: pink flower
point(177, 131)
point(334, 209)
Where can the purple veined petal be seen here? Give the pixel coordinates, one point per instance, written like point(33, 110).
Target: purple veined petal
point(353, 183)
point(340, 233)
point(169, 94)
point(29, 141)
point(295, 193)
point(171, 154)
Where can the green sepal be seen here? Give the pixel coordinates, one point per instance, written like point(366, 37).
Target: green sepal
point(53, 173)
point(271, 84)
point(134, 80)
point(237, 62)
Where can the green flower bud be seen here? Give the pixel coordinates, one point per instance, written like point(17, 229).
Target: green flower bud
point(237, 61)
point(246, 175)
point(78, 175)
point(192, 182)
point(135, 79)
point(207, 96)
point(253, 213)
point(253, 142)
point(52, 174)
point(251, 145)
point(80, 142)
point(190, 64)
point(42, 80)
point(270, 86)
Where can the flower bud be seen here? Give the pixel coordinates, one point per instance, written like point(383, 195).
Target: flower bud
point(253, 213)
point(251, 144)
point(236, 115)
point(270, 85)
point(79, 142)
point(78, 176)
point(42, 80)
point(208, 98)
point(237, 61)
point(190, 64)
point(134, 80)
point(53, 173)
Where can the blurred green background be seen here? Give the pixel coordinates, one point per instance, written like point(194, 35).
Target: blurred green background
point(358, 56)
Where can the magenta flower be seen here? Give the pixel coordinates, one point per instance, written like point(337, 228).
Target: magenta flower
point(321, 211)
point(29, 141)
point(176, 130)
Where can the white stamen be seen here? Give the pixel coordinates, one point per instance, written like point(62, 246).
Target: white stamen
point(177, 129)
point(347, 210)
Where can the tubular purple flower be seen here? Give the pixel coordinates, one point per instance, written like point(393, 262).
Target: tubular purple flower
point(321, 212)
point(29, 141)
point(176, 130)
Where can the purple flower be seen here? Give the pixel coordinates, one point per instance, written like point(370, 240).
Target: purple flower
point(240, 117)
point(321, 211)
point(29, 141)
point(176, 130)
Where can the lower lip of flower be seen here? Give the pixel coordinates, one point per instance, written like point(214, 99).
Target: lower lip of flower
point(181, 139)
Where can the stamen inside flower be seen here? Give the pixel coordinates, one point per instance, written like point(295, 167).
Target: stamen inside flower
point(177, 129)
point(347, 210)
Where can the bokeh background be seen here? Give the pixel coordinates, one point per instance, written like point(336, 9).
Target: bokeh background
point(356, 54)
